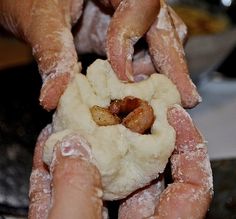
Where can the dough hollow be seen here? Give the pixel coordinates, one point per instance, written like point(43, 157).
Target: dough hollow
point(126, 160)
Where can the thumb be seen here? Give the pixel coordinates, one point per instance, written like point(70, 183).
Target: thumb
point(46, 25)
point(53, 48)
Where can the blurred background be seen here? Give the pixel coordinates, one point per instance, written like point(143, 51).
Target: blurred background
point(211, 54)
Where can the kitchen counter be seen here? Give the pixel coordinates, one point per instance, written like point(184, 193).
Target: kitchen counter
point(224, 201)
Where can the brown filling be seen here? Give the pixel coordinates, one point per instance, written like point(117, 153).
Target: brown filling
point(134, 113)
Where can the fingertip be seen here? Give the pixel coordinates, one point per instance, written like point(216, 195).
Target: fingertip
point(140, 77)
point(184, 200)
point(75, 146)
point(38, 151)
point(189, 94)
point(76, 181)
point(120, 64)
point(176, 112)
point(187, 135)
point(129, 23)
point(52, 89)
point(142, 203)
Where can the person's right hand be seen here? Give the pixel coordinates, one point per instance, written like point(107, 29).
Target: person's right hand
point(71, 187)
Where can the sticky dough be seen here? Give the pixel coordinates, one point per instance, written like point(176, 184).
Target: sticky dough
point(126, 160)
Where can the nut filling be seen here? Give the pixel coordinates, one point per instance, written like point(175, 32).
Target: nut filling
point(134, 113)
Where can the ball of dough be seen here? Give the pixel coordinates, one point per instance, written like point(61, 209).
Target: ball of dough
point(126, 160)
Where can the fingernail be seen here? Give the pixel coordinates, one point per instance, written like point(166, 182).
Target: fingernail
point(140, 77)
point(75, 146)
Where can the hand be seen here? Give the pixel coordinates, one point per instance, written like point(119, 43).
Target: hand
point(70, 188)
point(163, 30)
point(190, 194)
point(75, 192)
point(46, 26)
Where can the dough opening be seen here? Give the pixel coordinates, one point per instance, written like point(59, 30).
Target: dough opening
point(132, 112)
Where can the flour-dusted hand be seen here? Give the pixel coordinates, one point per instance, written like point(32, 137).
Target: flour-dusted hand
point(109, 27)
point(190, 194)
point(46, 26)
point(130, 21)
point(70, 187)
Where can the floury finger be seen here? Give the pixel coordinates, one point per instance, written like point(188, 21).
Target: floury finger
point(130, 22)
point(190, 194)
point(168, 56)
point(76, 183)
point(72, 189)
point(46, 26)
point(141, 204)
point(40, 191)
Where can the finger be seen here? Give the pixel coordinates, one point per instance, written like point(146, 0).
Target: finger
point(142, 203)
point(129, 22)
point(142, 64)
point(190, 194)
point(179, 25)
point(105, 214)
point(76, 182)
point(90, 35)
point(46, 25)
point(40, 192)
point(13, 13)
point(52, 42)
point(168, 56)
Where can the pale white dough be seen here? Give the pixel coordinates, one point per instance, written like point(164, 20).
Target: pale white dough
point(126, 160)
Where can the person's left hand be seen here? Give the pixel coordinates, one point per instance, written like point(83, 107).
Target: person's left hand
point(46, 26)
point(71, 187)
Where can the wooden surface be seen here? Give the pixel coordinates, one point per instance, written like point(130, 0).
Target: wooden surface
point(13, 52)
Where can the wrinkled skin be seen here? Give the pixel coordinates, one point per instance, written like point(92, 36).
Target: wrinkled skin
point(46, 26)
point(191, 191)
point(62, 184)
